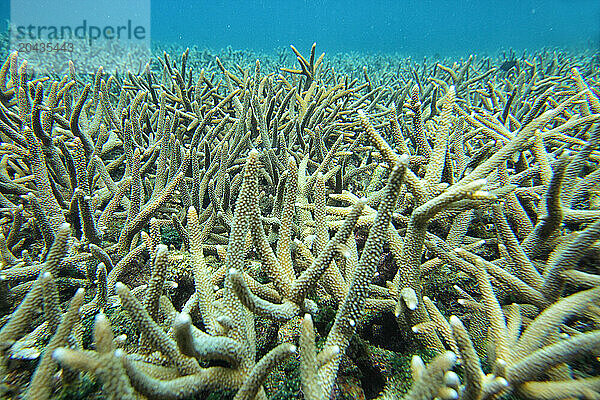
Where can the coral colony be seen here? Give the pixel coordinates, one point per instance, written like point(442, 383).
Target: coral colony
point(226, 227)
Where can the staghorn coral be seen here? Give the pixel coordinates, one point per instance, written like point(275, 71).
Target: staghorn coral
point(286, 188)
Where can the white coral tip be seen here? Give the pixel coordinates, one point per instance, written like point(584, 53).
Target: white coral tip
point(183, 319)
point(450, 356)
point(451, 379)
point(100, 318)
point(59, 354)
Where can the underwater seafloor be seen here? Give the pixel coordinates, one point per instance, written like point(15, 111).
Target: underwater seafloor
point(238, 225)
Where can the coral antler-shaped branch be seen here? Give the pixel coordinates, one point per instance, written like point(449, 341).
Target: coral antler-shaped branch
point(308, 68)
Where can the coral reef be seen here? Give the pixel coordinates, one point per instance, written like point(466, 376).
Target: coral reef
point(216, 227)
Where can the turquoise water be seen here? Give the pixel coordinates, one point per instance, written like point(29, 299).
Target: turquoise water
point(405, 26)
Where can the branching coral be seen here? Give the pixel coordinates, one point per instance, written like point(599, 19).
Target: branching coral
point(289, 195)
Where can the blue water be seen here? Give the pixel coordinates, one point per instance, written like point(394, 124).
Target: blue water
point(405, 26)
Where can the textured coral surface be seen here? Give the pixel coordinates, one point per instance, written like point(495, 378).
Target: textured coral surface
point(217, 226)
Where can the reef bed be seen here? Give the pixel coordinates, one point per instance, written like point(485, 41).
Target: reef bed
point(222, 226)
